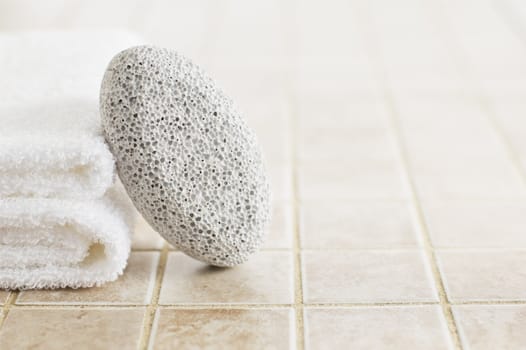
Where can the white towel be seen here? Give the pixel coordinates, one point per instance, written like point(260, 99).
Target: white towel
point(57, 243)
point(62, 224)
point(51, 143)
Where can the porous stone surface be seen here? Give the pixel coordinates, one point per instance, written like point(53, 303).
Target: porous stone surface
point(185, 156)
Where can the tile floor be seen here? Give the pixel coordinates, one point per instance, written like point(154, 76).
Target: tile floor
point(394, 136)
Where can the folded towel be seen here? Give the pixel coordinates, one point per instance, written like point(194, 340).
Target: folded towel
point(57, 243)
point(62, 223)
point(51, 144)
point(65, 157)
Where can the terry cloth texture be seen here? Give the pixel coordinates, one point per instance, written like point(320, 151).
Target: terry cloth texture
point(57, 243)
point(62, 221)
point(51, 144)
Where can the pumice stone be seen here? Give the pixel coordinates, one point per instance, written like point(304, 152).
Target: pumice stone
point(186, 157)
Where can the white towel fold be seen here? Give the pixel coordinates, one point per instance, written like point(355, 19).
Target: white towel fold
point(62, 224)
point(54, 149)
point(57, 243)
point(51, 143)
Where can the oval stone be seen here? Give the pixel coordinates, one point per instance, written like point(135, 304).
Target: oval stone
point(186, 157)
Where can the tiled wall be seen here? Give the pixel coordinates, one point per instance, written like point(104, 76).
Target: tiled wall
point(395, 138)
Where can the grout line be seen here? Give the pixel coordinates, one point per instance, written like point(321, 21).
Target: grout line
point(415, 248)
point(481, 95)
point(371, 248)
point(227, 306)
point(298, 295)
point(479, 249)
point(154, 327)
point(92, 306)
point(151, 309)
point(486, 105)
point(359, 249)
point(146, 250)
point(483, 99)
point(450, 198)
point(382, 79)
point(289, 23)
point(342, 305)
point(490, 302)
point(11, 298)
point(426, 239)
point(371, 304)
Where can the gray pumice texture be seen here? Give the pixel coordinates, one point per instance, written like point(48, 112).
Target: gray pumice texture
point(185, 156)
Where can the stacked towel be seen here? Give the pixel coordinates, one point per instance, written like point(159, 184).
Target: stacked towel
point(63, 222)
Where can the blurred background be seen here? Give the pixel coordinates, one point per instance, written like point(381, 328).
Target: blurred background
point(358, 105)
point(281, 58)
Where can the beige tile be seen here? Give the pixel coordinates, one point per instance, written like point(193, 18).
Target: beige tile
point(467, 178)
point(484, 275)
point(133, 287)
point(145, 237)
point(224, 329)
point(280, 232)
point(367, 277)
point(464, 141)
point(504, 87)
point(325, 38)
point(446, 114)
point(355, 225)
point(311, 63)
point(280, 176)
point(340, 111)
point(522, 160)
point(484, 224)
point(266, 278)
point(428, 82)
point(491, 326)
point(509, 114)
point(72, 329)
point(452, 133)
point(361, 178)
point(257, 89)
point(151, 24)
point(416, 87)
point(254, 39)
point(408, 327)
point(264, 110)
point(270, 121)
point(357, 81)
point(3, 296)
point(240, 39)
point(403, 48)
point(341, 143)
point(275, 143)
